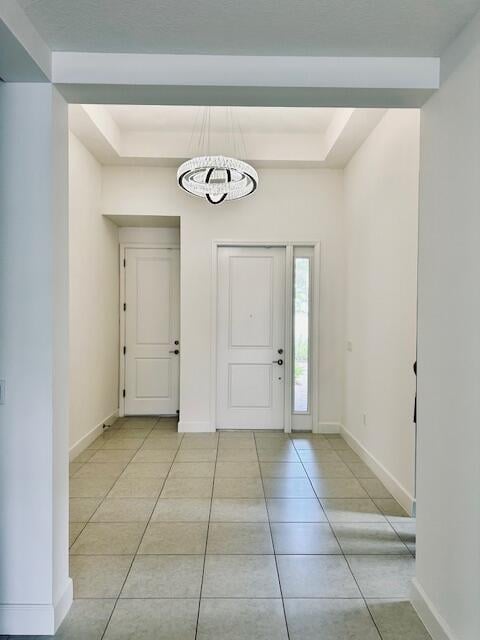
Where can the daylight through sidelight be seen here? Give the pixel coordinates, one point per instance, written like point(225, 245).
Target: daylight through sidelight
point(301, 334)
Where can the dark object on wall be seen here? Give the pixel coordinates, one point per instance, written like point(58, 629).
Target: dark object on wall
point(415, 406)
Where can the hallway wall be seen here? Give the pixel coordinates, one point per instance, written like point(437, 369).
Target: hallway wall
point(381, 220)
point(94, 300)
point(35, 590)
point(290, 204)
point(447, 591)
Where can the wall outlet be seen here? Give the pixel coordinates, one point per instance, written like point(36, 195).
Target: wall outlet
point(349, 345)
point(2, 391)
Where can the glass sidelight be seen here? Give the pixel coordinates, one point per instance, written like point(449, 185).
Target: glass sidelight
point(302, 308)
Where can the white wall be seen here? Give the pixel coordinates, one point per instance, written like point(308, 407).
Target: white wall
point(447, 591)
point(149, 235)
point(35, 591)
point(381, 209)
point(94, 301)
point(305, 205)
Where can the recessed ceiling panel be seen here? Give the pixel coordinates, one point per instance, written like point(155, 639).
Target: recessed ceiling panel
point(222, 119)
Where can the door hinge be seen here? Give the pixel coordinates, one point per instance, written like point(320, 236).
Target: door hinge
point(124, 306)
point(124, 350)
point(124, 393)
point(124, 263)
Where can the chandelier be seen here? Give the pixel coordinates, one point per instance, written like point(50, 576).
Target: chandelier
point(216, 178)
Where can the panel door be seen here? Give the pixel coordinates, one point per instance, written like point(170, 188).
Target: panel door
point(250, 336)
point(152, 325)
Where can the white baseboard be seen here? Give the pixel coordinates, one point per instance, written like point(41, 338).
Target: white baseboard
point(88, 438)
point(400, 494)
point(35, 619)
point(194, 427)
point(62, 606)
point(428, 614)
point(328, 427)
point(27, 619)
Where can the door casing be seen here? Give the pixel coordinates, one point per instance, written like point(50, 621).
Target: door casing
point(288, 245)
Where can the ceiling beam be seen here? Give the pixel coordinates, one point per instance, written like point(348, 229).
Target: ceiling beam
point(262, 71)
point(244, 96)
point(244, 80)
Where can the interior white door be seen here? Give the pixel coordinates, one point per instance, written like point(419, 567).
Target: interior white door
point(251, 337)
point(152, 326)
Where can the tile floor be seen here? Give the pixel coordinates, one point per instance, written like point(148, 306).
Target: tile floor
point(234, 536)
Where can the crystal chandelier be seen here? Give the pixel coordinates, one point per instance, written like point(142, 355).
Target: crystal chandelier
point(217, 178)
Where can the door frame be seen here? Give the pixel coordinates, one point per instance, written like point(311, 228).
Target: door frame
point(289, 246)
point(121, 311)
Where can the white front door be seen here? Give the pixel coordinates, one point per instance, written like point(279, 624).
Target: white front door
point(251, 338)
point(152, 325)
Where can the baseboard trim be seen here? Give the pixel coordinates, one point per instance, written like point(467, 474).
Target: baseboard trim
point(328, 427)
point(194, 427)
point(428, 614)
point(400, 494)
point(27, 619)
point(88, 438)
point(35, 619)
point(62, 607)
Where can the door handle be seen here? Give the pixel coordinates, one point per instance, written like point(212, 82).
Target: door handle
point(280, 362)
point(175, 351)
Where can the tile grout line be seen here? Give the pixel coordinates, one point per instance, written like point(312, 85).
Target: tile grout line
point(206, 541)
point(273, 545)
point(386, 598)
point(350, 555)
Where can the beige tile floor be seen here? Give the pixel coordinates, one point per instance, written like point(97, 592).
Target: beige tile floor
point(234, 536)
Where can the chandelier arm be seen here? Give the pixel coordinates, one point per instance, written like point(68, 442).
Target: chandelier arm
point(216, 201)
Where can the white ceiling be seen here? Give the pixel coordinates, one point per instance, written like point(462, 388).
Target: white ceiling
point(252, 27)
point(222, 119)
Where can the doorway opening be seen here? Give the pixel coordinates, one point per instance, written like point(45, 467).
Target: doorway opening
point(263, 349)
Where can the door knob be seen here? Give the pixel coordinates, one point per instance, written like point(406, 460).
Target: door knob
point(277, 361)
point(175, 351)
